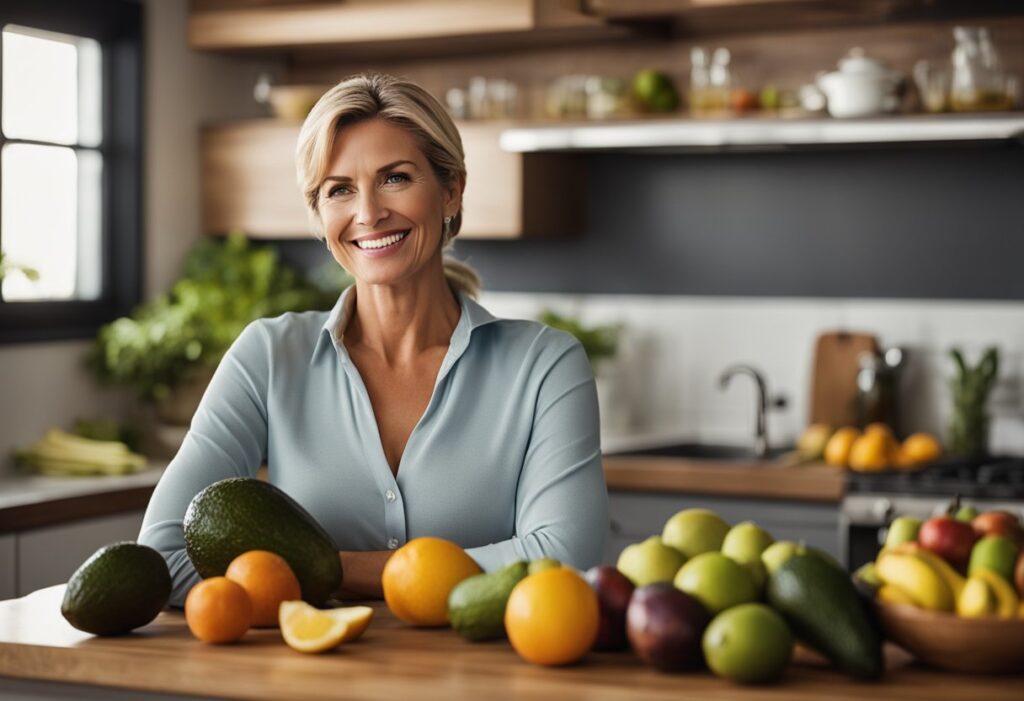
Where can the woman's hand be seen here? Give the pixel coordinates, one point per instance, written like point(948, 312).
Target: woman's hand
point(362, 571)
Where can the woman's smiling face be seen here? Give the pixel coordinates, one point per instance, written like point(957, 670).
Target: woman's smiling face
point(382, 205)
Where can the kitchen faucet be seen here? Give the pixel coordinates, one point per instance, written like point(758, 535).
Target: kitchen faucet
point(761, 429)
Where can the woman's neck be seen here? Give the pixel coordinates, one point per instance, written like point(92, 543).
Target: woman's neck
point(399, 322)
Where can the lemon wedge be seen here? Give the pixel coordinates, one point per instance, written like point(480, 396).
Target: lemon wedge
point(309, 629)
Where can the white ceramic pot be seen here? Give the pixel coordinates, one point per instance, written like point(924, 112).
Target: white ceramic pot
point(862, 87)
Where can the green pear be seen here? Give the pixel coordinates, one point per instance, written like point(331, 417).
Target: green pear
point(745, 542)
point(965, 513)
point(902, 530)
point(695, 531)
point(650, 561)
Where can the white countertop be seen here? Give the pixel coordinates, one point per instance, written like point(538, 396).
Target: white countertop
point(18, 489)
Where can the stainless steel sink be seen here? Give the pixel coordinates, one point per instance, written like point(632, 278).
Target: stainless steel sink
point(706, 451)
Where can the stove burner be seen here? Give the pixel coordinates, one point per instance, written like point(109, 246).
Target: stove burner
point(997, 477)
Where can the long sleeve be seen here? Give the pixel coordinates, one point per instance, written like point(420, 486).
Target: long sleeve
point(562, 500)
point(227, 438)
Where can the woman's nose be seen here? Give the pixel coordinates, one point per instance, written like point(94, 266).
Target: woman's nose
point(370, 209)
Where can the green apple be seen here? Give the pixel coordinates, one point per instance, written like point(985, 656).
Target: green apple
point(781, 550)
point(997, 553)
point(965, 513)
point(695, 531)
point(717, 581)
point(650, 561)
point(902, 530)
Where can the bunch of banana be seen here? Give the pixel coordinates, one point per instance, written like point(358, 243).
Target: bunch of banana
point(986, 593)
point(62, 453)
point(910, 574)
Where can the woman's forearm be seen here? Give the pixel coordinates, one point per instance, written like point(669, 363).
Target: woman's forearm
point(362, 571)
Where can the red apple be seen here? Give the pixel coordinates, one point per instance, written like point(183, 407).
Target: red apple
point(999, 523)
point(948, 538)
point(613, 592)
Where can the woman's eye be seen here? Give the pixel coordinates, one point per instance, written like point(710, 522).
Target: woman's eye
point(394, 178)
point(337, 190)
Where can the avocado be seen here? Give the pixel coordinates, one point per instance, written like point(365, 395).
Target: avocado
point(240, 514)
point(476, 607)
point(121, 587)
point(823, 608)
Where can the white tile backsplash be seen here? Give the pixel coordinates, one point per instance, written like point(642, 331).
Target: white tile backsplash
point(675, 348)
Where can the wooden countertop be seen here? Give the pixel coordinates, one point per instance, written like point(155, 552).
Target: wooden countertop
point(393, 661)
point(815, 482)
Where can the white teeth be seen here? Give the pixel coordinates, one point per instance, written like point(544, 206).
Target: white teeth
point(381, 243)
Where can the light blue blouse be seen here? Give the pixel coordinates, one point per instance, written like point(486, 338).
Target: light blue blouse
point(505, 461)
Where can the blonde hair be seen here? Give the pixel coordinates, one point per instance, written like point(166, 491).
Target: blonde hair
point(403, 104)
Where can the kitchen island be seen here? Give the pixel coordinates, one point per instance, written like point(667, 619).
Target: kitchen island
point(393, 661)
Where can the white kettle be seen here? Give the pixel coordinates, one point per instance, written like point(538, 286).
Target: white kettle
point(862, 86)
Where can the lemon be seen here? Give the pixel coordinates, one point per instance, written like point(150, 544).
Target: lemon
point(309, 629)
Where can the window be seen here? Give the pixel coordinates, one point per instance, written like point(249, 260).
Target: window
point(70, 164)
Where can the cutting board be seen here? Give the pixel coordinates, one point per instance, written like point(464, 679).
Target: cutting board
point(834, 379)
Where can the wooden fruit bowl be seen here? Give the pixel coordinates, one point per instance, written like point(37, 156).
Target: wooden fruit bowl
point(973, 645)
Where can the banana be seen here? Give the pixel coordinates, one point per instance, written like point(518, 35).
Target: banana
point(57, 437)
point(1006, 596)
point(891, 594)
point(977, 599)
point(917, 579)
point(953, 579)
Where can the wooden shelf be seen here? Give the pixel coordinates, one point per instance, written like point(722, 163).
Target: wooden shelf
point(248, 183)
point(379, 27)
point(756, 132)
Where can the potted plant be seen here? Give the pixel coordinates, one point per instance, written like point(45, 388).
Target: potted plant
point(167, 349)
point(969, 428)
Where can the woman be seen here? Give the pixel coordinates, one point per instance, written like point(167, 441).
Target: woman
point(408, 410)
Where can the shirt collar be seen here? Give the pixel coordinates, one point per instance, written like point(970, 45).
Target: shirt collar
point(473, 316)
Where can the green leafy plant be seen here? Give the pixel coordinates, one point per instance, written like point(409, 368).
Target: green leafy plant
point(7, 267)
point(599, 342)
point(971, 387)
point(226, 284)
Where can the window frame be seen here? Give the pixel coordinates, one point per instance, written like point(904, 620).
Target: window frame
point(118, 27)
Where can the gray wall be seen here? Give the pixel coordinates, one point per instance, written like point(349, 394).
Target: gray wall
point(934, 222)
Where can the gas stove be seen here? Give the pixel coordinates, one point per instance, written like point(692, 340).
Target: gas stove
point(872, 499)
point(986, 478)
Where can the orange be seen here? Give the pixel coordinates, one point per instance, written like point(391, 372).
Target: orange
point(419, 576)
point(268, 580)
point(919, 448)
point(218, 610)
point(552, 617)
point(875, 450)
point(309, 629)
point(837, 450)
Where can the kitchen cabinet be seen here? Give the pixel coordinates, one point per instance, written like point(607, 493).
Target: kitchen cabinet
point(48, 556)
point(634, 516)
point(379, 27)
point(8, 567)
point(248, 183)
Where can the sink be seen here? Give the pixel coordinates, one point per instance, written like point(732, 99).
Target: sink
point(706, 451)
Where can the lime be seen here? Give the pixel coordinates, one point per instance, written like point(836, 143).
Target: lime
point(717, 581)
point(695, 531)
point(750, 644)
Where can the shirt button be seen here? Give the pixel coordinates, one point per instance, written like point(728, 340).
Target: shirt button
point(390, 495)
point(392, 543)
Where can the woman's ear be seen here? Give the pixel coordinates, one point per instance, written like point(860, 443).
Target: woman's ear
point(453, 196)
